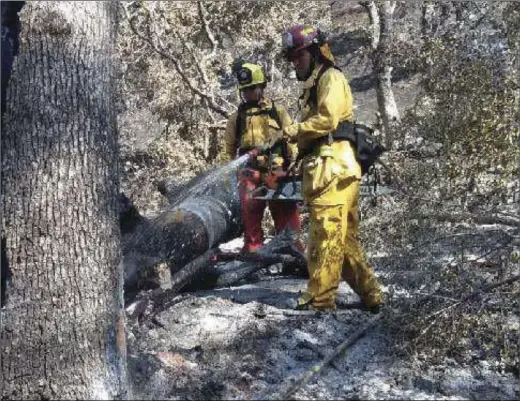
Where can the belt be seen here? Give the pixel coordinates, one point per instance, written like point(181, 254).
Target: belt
point(344, 132)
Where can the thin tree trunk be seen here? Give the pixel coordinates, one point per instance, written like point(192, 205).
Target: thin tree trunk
point(380, 14)
point(373, 15)
point(63, 323)
point(383, 71)
point(427, 16)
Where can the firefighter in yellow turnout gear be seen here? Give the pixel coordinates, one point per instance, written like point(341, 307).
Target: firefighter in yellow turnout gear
point(249, 129)
point(331, 175)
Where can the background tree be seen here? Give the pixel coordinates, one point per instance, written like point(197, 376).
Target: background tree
point(63, 324)
point(381, 27)
point(475, 125)
point(176, 62)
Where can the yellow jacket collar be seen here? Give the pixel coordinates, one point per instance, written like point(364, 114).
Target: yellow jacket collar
point(263, 104)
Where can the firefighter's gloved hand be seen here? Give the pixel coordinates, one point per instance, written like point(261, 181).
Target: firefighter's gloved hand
point(257, 156)
point(253, 153)
point(290, 133)
point(262, 161)
point(258, 151)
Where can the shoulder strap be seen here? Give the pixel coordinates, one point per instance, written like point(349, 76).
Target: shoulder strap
point(313, 96)
point(240, 124)
point(242, 114)
point(273, 114)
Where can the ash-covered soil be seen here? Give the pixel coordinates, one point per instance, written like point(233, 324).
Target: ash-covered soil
point(244, 342)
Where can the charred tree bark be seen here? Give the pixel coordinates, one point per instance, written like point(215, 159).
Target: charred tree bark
point(63, 323)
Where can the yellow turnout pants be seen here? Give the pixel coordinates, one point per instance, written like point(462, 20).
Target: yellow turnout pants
point(335, 252)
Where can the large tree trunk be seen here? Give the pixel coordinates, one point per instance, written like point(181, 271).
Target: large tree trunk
point(63, 323)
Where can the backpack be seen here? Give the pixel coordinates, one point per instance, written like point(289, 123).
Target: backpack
point(366, 148)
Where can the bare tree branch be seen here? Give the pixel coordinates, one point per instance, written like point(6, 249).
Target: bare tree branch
point(427, 11)
point(202, 73)
point(199, 65)
point(196, 60)
point(390, 6)
point(161, 51)
point(381, 60)
point(319, 368)
point(203, 14)
point(217, 125)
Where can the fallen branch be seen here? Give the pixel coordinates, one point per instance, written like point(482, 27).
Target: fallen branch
point(507, 220)
point(308, 313)
point(479, 219)
point(315, 348)
point(202, 273)
point(319, 368)
point(467, 297)
point(488, 288)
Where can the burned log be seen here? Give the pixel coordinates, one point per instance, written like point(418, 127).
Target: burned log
point(206, 272)
point(280, 249)
point(202, 214)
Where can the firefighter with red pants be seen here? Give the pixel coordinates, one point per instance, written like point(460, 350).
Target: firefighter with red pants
point(250, 130)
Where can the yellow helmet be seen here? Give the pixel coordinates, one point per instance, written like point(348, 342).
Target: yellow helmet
point(250, 75)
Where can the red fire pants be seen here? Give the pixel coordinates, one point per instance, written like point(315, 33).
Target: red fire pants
point(285, 214)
